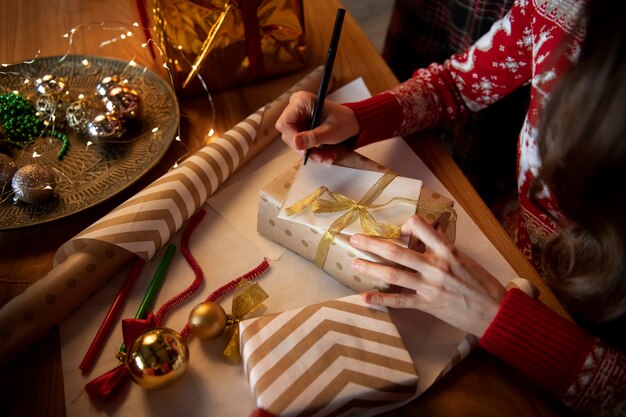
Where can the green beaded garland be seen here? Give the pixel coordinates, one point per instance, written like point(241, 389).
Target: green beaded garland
point(21, 126)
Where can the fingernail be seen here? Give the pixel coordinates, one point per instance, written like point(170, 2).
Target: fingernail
point(355, 239)
point(299, 142)
point(309, 139)
point(372, 298)
point(356, 264)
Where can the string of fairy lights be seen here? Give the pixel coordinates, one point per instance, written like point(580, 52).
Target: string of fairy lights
point(41, 108)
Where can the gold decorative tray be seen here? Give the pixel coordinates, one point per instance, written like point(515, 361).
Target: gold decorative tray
point(89, 174)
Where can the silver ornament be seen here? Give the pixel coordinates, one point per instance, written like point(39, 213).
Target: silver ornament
point(79, 113)
point(105, 128)
point(50, 83)
point(51, 107)
point(124, 101)
point(107, 83)
point(33, 183)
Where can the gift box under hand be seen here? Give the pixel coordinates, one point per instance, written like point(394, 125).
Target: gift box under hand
point(332, 203)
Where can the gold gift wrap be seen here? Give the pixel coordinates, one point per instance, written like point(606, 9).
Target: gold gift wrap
point(339, 357)
point(304, 240)
point(228, 43)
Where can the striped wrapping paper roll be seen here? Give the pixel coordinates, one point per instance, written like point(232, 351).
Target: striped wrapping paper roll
point(140, 226)
point(146, 221)
point(339, 357)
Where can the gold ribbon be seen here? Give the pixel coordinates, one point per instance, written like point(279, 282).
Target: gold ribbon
point(207, 43)
point(353, 209)
point(247, 298)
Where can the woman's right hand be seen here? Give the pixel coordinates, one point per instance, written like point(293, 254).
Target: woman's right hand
point(338, 123)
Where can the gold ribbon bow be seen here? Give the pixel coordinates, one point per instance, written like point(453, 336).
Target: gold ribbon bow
point(247, 298)
point(353, 209)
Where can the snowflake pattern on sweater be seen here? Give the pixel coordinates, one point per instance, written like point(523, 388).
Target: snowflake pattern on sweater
point(525, 47)
point(519, 49)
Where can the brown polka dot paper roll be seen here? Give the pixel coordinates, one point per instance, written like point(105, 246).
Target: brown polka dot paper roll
point(138, 227)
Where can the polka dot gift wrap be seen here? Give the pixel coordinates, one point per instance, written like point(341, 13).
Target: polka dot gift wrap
point(304, 240)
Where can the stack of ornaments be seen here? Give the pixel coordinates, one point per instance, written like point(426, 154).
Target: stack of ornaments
point(106, 117)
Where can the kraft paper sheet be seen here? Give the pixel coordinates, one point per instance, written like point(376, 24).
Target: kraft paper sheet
point(226, 244)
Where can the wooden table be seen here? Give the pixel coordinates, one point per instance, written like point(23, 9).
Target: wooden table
point(33, 385)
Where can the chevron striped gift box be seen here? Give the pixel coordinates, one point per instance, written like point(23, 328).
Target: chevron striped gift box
point(331, 359)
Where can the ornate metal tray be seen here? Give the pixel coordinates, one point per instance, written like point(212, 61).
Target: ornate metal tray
point(89, 174)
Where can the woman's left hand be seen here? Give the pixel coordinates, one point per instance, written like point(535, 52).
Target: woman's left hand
point(447, 283)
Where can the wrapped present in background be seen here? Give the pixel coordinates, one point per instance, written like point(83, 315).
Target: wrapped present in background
point(339, 357)
point(228, 42)
point(305, 240)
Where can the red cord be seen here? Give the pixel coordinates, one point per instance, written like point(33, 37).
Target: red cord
point(199, 276)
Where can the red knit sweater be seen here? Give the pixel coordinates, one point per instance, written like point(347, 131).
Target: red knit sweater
point(585, 373)
point(519, 49)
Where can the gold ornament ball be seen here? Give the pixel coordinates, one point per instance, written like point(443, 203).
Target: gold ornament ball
point(207, 320)
point(158, 358)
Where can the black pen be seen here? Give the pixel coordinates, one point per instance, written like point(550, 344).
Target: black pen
point(328, 69)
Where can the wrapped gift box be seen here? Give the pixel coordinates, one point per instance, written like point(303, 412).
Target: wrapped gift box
point(304, 239)
point(339, 357)
point(228, 43)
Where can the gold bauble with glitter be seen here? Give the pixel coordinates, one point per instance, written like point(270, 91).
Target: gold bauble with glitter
point(208, 320)
point(158, 358)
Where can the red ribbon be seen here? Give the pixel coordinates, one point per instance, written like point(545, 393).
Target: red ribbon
point(253, 37)
point(105, 387)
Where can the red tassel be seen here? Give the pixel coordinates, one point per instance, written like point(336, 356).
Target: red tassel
point(104, 388)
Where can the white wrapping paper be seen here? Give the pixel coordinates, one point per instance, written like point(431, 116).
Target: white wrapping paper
point(226, 245)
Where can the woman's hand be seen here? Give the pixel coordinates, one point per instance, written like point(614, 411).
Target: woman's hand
point(447, 283)
point(338, 123)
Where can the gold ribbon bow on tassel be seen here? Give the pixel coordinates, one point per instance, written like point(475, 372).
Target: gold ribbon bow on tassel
point(353, 209)
point(247, 298)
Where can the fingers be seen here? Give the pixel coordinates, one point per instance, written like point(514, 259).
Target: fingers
point(394, 300)
point(391, 275)
point(295, 118)
point(435, 240)
point(323, 155)
point(337, 123)
point(386, 249)
point(433, 267)
point(445, 282)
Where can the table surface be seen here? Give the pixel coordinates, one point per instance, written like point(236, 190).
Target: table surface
point(32, 385)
